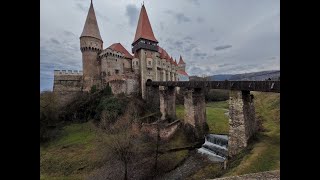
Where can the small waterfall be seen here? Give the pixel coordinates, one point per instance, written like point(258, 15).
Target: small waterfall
point(216, 147)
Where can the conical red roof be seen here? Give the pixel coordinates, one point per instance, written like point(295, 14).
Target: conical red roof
point(119, 48)
point(144, 29)
point(91, 28)
point(181, 61)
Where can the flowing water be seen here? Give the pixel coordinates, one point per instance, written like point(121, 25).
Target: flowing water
point(215, 147)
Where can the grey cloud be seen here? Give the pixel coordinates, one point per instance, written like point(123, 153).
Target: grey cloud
point(86, 9)
point(218, 48)
point(54, 41)
point(68, 33)
point(211, 29)
point(82, 8)
point(196, 2)
point(224, 65)
point(190, 47)
point(200, 19)
point(180, 17)
point(132, 12)
point(201, 55)
point(188, 38)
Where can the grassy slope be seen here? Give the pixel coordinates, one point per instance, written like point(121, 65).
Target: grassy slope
point(73, 154)
point(80, 149)
point(216, 119)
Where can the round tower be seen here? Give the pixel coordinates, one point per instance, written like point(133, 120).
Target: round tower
point(91, 45)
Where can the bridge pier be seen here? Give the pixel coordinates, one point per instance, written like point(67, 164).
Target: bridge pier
point(168, 102)
point(152, 97)
point(242, 123)
point(195, 113)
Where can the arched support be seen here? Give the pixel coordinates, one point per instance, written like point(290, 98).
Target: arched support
point(195, 113)
point(242, 123)
point(167, 102)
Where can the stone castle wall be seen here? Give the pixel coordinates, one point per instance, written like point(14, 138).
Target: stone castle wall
point(166, 131)
point(67, 85)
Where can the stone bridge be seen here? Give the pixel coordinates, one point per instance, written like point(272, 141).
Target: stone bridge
point(241, 106)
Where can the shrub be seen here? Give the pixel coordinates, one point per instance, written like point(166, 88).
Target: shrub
point(93, 89)
point(217, 95)
point(49, 115)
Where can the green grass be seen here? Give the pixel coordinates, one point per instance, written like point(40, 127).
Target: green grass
point(217, 121)
point(81, 148)
point(73, 154)
point(265, 153)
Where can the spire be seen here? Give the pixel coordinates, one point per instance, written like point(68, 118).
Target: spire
point(144, 29)
point(91, 28)
point(181, 61)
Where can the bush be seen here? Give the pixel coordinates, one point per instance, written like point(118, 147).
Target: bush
point(49, 115)
point(109, 109)
point(217, 95)
point(93, 89)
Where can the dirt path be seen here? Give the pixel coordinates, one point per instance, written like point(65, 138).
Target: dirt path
point(191, 165)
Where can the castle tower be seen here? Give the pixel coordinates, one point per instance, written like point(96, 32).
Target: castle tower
point(145, 48)
point(90, 45)
point(182, 64)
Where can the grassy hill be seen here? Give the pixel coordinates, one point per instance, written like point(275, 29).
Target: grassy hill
point(80, 149)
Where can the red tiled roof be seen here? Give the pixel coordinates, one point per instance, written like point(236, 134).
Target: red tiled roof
point(119, 48)
point(144, 29)
point(182, 72)
point(181, 61)
point(91, 28)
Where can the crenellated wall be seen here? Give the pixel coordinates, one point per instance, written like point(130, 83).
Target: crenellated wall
point(67, 84)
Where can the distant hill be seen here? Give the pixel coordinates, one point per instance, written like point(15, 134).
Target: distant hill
point(254, 76)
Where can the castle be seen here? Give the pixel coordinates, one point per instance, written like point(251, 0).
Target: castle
point(124, 72)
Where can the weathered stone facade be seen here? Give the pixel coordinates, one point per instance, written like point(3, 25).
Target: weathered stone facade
point(167, 102)
point(195, 112)
point(67, 85)
point(242, 120)
point(166, 130)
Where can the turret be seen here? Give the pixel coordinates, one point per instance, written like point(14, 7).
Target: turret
point(90, 45)
point(182, 64)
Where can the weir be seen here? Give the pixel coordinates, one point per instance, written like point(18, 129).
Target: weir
point(215, 147)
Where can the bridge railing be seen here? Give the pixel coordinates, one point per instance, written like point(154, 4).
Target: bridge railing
point(263, 86)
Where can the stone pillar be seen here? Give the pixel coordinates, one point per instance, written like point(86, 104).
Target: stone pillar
point(153, 97)
point(195, 113)
point(167, 102)
point(242, 124)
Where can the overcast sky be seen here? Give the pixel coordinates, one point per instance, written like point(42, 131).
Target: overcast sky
point(213, 36)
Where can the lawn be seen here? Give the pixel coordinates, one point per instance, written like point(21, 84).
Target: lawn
point(217, 121)
point(81, 149)
point(73, 154)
